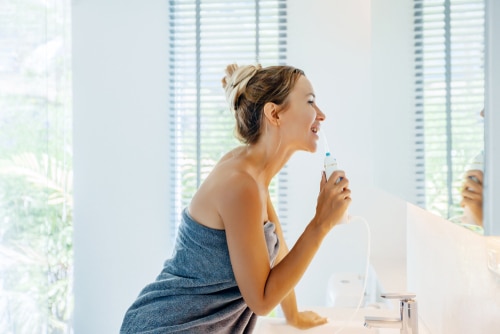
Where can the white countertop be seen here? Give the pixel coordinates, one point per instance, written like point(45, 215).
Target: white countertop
point(341, 320)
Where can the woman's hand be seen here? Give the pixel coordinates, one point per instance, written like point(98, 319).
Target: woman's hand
point(333, 199)
point(307, 319)
point(472, 194)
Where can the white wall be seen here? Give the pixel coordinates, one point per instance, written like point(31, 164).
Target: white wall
point(358, 56)
point(120, 77)
point(120, 74)
point(392, 102)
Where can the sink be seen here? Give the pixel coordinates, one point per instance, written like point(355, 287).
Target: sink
point(279, 326)
point(338, 318)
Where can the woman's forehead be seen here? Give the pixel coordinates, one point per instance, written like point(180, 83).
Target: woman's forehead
point(304, 86)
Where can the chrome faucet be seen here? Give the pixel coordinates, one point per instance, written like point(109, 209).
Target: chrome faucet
point(408, 319)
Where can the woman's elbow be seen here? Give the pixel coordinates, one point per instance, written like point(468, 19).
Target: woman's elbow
point(262, 308)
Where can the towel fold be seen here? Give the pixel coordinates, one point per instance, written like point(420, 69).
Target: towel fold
point(196, 292)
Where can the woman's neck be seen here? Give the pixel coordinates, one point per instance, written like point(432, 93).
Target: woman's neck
point(265, 160)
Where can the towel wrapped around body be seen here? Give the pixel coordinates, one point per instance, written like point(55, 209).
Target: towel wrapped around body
point(196, 292)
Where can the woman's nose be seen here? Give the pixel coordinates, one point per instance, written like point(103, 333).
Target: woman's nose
point(319, 114)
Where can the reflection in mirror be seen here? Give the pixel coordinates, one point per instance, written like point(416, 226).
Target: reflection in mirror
point(449, 97)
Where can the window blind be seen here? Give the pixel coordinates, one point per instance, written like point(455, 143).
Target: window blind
point(206, 36)
point(449, 95)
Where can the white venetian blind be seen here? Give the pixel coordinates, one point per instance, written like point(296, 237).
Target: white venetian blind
point(206, 36)
point(449, 78)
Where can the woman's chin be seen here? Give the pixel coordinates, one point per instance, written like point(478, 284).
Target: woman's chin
point(311, 148)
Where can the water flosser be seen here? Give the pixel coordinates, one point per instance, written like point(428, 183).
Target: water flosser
point(331, 166)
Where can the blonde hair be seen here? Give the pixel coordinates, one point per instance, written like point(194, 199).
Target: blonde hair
point(248, 88)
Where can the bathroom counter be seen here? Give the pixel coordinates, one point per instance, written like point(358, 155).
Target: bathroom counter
point(337, 319)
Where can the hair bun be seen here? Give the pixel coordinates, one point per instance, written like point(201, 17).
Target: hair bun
point(236, 80)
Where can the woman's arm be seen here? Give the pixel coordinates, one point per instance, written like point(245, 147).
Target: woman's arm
point(302, 320)
point(241, 209)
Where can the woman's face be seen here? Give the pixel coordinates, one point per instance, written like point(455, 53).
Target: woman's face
point(300, 121)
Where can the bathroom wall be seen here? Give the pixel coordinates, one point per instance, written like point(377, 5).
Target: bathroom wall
point(358, 56)
point(447, 269)
point(120, 75)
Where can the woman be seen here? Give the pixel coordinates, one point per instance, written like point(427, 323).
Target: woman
point(230, 261)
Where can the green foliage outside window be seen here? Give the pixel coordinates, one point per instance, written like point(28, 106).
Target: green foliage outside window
point(36, 206)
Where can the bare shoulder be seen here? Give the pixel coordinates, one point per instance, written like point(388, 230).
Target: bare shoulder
point(231, 154)
point(241, 203)
point(227, 189)
point(241, 192)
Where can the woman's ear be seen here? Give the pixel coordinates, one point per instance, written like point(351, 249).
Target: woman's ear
point(271, 113)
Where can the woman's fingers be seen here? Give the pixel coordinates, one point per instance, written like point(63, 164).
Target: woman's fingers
point(322, 181)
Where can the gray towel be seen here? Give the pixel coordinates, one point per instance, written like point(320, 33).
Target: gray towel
point(196, 292)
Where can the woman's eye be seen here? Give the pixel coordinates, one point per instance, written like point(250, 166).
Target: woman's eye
point(310, 102)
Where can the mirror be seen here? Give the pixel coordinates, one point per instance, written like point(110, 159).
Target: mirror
point(371, 118)
point(449, 92)
point(448, 87)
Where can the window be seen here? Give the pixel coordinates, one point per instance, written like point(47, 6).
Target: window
point(206, 36)
point(36, 231)
point(449, 81)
